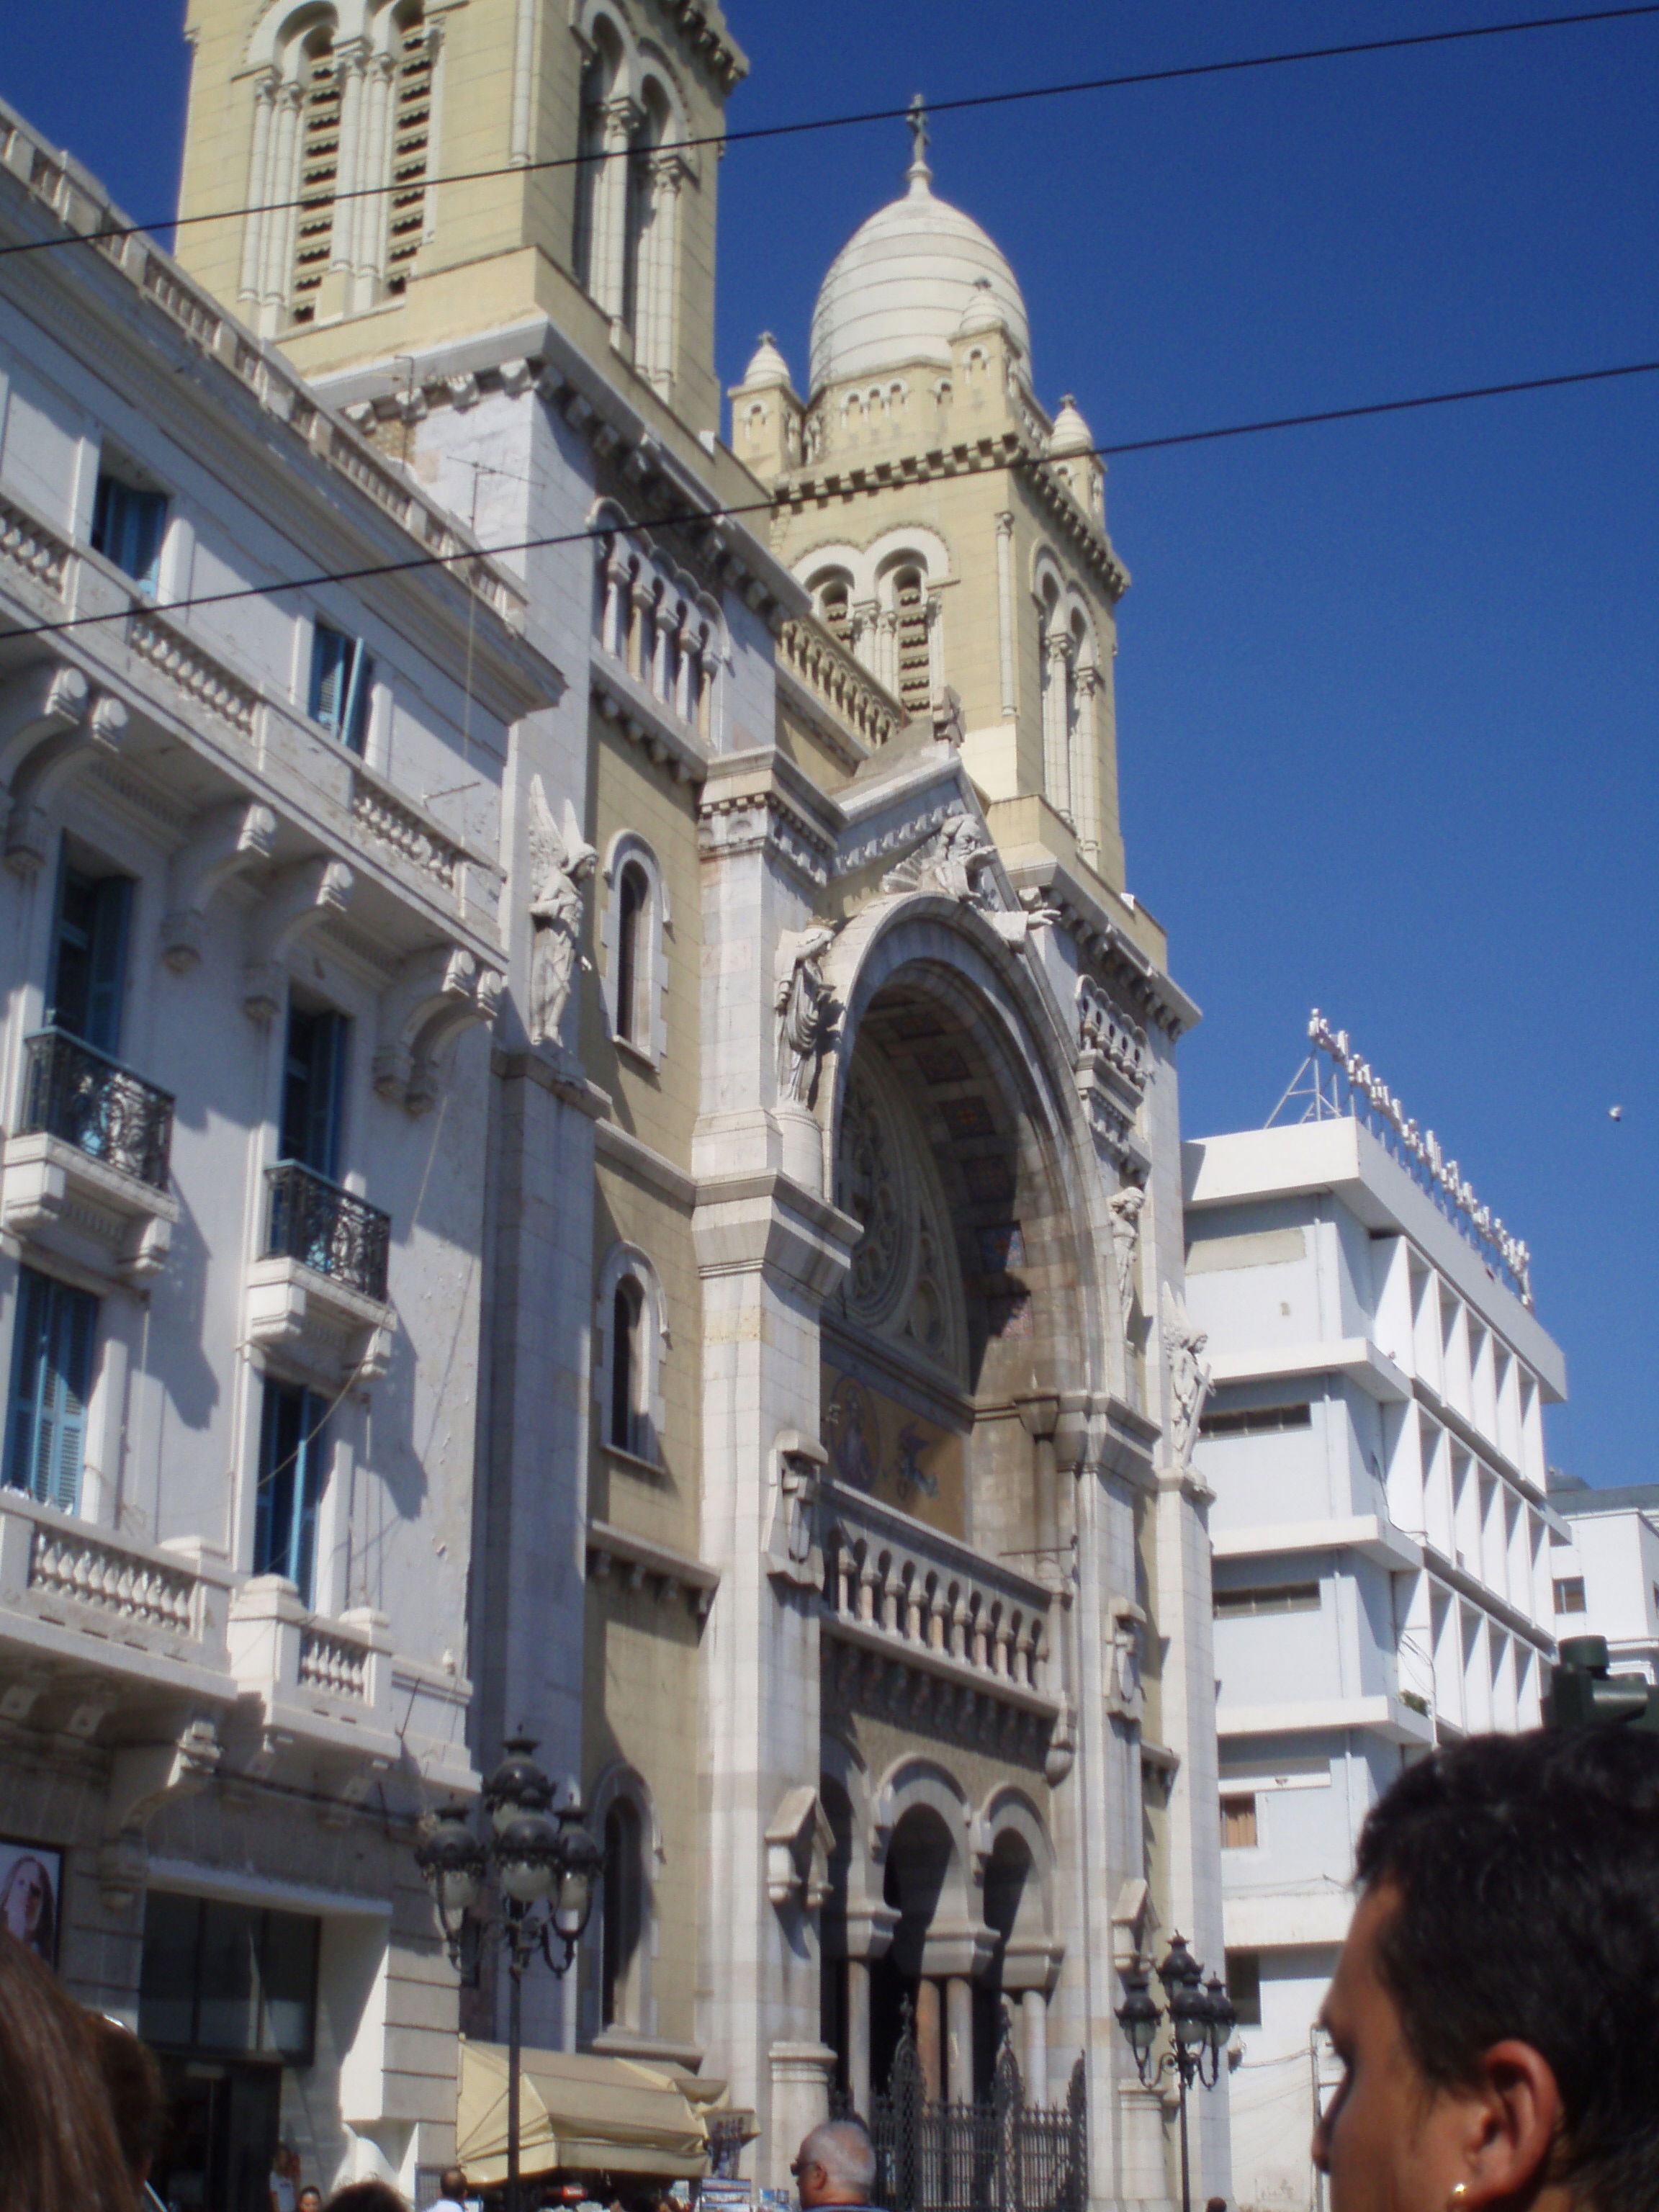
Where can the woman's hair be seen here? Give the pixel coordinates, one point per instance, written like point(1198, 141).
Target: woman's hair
point(58, 2147)
point(1528, 1872)
point(137, 2099)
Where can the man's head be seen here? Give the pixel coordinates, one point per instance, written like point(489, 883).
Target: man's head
point(453, 2184)
point(1493, 2004)
point(836, 2164)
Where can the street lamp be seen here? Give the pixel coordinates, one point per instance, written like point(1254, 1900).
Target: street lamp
point(543, 1868)
point(1201, 2021)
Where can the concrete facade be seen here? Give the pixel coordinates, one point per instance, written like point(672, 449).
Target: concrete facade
point(1604, 1568)
point(1382, 1551)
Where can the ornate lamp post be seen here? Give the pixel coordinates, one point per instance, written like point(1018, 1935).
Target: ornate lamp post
point(1201, 2020)
point(543, 1868)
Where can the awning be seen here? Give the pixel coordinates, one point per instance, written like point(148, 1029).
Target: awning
point(578, 2110)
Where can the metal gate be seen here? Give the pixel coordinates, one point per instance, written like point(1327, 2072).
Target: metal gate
point(1003, 2156)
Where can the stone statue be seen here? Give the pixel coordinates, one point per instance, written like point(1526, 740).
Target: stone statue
point(806, 1013)
point(561, 864)
point(1125, 1206)
point(1189, 1378)
point(1124, 1678)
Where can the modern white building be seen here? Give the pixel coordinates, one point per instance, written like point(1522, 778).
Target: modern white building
point(1382, 1533)
point(1604, 1566)
point(250, 953)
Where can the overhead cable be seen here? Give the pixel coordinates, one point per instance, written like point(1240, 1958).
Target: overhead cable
point(841, 491)
point(111, 233)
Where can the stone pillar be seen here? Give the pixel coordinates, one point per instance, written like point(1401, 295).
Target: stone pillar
point(930, 2039)
point(1085, 765)
point(1056, 767)
point(858, 2035)
point(959, 2040)
point(1006, 614)
point(620, 120)
point(800, 2097)
point(1034, 2046)
point(253, 228)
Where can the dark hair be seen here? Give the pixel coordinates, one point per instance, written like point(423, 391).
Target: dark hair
point(59, 2151)
point(1528, 1870)
point(453, 2182)
point(366, 2196)
point(133, 2081)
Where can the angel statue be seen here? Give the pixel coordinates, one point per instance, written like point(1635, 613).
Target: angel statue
point(1189, 1378)
point(806, 1011)
point(560, 864)
point(1124, 1205)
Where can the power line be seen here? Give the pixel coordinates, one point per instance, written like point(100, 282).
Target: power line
point(840, 489)
point(114, 231)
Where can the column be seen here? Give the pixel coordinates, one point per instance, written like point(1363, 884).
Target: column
point(258, 187)
point(1034, 2046)
point(959, 2040)
point(620, 118)
point(349, 172)
point(1085, 764)
point(930, 2040)
point(1006, 611)
point(278, 272)
point(1056, 777)
point(858, 2035)
point(523, 51)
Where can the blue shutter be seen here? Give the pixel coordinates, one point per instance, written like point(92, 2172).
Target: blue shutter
point(28, 1346)
point(354, 713)
point(112, 907)
point(75, 1323)
point(307, 1490)
point(289, 1484)
point(52, 1380)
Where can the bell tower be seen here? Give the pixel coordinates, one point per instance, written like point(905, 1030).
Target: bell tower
point(951, 532)
point(417, 171)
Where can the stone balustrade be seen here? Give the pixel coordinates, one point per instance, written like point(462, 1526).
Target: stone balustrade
point(892, 1584)
point(333, 1663)
point(822, 665)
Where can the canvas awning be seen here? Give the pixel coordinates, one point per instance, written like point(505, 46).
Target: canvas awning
point(578, 2110)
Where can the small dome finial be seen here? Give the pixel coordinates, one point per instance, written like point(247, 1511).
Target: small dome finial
point(918, 174)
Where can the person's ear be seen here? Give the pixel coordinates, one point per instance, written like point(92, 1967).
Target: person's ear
point(1512, 2115)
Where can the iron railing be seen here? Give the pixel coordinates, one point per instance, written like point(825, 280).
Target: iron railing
point(74, 1092)
point(325, 1228)
point(1001, 2156)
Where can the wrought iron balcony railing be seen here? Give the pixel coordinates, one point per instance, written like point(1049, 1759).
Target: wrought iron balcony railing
point(327, 1228)
point(72, 1091)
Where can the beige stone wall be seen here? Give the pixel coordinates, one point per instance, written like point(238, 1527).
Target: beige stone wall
point(511, 209)
point(642, 1710)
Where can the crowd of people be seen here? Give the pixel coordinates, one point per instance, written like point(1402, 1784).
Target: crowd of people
point(1496, 2008)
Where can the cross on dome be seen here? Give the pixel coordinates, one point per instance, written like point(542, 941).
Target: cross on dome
point(919, 175)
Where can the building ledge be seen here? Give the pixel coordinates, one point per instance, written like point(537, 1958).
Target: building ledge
point(318, 1321)
point(1288, 1921)
point(1354, 1357)
point(1382, 1715)
point(1367, 1533)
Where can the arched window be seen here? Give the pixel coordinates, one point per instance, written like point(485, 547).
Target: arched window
point(836, 608)
point(622, 1924)
point(415, 57)
point(653, 221)
point(627, 1367)
point(914, 682)
point(597, 77)
point(633, 900)
point(318, 167)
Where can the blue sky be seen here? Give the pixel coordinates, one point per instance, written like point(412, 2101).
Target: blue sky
point(1388, 690)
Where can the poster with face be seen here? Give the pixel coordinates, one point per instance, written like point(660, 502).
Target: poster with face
point(30, 1887)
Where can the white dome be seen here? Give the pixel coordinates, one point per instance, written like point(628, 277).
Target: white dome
point(899, 288)
point(768, 365)
point(1070, 434)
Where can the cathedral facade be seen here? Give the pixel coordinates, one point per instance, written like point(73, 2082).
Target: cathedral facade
point(829, 1507)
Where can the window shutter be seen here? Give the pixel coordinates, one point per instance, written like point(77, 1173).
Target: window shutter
point(28, 1369)
point(359, 675)
point(62, 1440)
point(107, 962)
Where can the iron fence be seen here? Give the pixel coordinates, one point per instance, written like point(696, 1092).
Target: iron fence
point(1005, 2155)
point(73, 1092)
point(315, 1222)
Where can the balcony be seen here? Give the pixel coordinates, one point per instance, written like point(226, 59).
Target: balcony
point(319, 1291)
point(927, 1626)
point(86, 1174)
point(89, 1616)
